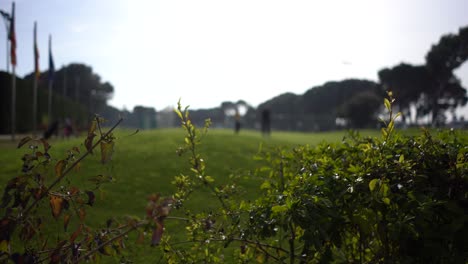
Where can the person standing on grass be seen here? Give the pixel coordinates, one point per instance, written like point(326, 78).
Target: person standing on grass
point(266, 126)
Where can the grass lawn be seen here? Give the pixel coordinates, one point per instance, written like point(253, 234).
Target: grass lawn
point(146, 163)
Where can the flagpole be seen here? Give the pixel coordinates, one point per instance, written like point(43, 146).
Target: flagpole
point(49, 108)
point(51, 81)
point(13, 76)
point(13, 103)
point(8, 56)
point(36, 77)
point(34, 107)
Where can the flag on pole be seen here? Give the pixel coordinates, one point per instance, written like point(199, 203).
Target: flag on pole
point(36, 54)
point(12, 36)
point(51, 61)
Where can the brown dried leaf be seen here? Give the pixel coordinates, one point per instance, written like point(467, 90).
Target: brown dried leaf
point(92, 128)
point(73, 190)
point(89, 142)
point(60, 167)
point(154, 197)
point(107, 148)
point(76, 149)
point(76, 234)
point(157, 233)
point(38, 192)
point(45, 144)
point(56, 204)
point(24, 141)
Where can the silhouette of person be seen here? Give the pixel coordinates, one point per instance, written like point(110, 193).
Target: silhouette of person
point(266, 129)
point(51, 130)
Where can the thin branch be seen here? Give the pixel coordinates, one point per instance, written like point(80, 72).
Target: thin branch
point(87, 255)
point(178, 218)
point(98, 125)
point(234, 239)
point(268, 253)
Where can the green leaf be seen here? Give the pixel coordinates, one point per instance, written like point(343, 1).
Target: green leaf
point(243, 205)
point(265, 185)
point(372, 184)
point(209, 179)
point(386, 200)
point(397, 115)
point(387, 104)
point(384, 189)
point(179, 114)
point(4, 246)
point(384, 132)
point(391, 125)
point(279, 208)
point(402, 158)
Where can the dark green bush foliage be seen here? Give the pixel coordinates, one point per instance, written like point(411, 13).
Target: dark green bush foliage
point(393, 199)
point(369, 200)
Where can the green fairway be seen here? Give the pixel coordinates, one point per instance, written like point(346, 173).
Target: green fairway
point(146, 163)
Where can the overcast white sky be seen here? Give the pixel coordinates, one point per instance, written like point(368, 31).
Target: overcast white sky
point(209, 51)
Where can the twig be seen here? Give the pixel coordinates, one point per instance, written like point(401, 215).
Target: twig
point(137, 225)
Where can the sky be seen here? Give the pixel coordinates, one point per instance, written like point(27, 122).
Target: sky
point(205, 52)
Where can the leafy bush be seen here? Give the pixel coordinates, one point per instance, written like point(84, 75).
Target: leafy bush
point(393, 199)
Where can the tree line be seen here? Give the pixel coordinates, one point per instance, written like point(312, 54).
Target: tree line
point(78, 94)
point(431, 90)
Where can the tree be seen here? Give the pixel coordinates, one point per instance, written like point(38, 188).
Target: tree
point(361, 110)
point(24, 105)
point(286, 111)
point(80, 84)
point(322, 104)
point(407, 82)
point(446, 91)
